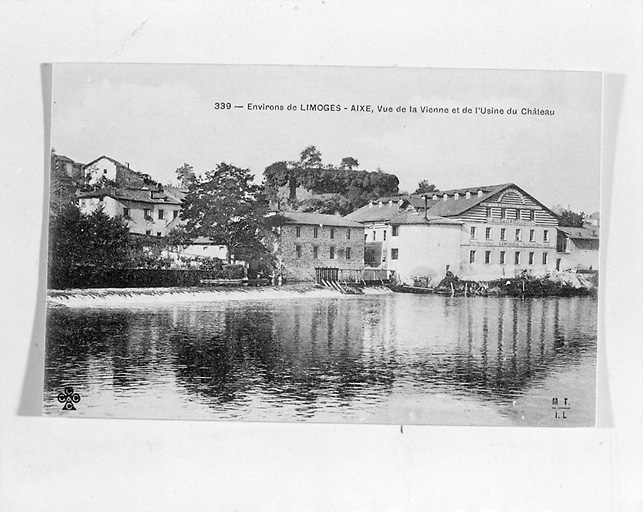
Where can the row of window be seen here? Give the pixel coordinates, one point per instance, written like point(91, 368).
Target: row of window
point(531, 256)
point(332, 252)
point(316, 232)
point(147, 213)
point(510, 213)
point(394, 232)
point(503, 234)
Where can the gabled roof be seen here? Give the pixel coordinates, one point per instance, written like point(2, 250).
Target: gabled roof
point(116, 162)
point(451, 207)
point(373, 212)
point(128, 194)
point(318, 219)
point(178, 193)
point(578, 233)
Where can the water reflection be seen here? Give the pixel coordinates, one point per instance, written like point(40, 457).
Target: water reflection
point(313, 354)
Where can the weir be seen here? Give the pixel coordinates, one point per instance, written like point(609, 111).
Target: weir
point(157, 296)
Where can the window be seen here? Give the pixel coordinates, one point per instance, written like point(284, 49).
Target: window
point(395, 254)
point(175, 214)
point(315, 232)
point(161, 214)
point(532, 214)
point(472, 256)
point(348, 233)
point(158, 233)
point(518, 235)
point(315, 252)
point(473, 232)
point(502, 257)
point(332, 253)
point(487, 233)
point(146, 214)
point(348, 253)
point(384, 232)
point(332, 233)
point(298, 231)
point(298, 251)
point(126, 213)
point(545, 258)
point(366, 237)
point(395, 230)
point(532, 235)
point(374, 235)
point(487, 257)
point(557, 263)
point(517, 257)
point(546, 235)
point(148, 231)
point(503, 213)
point(503, 233)
point(531, 258)
point(488, 212)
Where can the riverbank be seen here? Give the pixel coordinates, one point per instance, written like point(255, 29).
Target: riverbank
point(101, 297)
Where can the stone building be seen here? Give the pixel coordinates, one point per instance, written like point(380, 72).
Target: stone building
point(311, 240)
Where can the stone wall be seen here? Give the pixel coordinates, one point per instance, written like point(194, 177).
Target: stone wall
point(301, 267)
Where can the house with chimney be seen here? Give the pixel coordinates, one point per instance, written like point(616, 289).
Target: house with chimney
point(481, 233)
point(148, 207)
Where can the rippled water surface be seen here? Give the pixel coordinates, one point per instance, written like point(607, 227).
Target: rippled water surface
point(397, 358)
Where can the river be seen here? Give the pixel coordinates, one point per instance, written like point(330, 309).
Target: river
point(394, 358)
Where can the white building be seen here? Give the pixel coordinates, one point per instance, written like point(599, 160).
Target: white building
point(480, 233)
point(147, 211)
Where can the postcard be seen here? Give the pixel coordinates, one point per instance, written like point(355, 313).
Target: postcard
point(323, 244)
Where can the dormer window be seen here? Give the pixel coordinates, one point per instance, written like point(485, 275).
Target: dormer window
point(456, 196)
point(445, 197)
point(479, 193)
point(468, 195)
point(435, 197)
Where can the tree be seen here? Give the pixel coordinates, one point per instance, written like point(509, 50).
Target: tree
point(348, 163)
point(568, 218)
point(80, 240)
point(310, 157)
point(327, 203)
point(229, 208)
point(424, 187)
point(185, 176)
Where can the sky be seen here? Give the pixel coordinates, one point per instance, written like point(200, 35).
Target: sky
point(157, 117)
